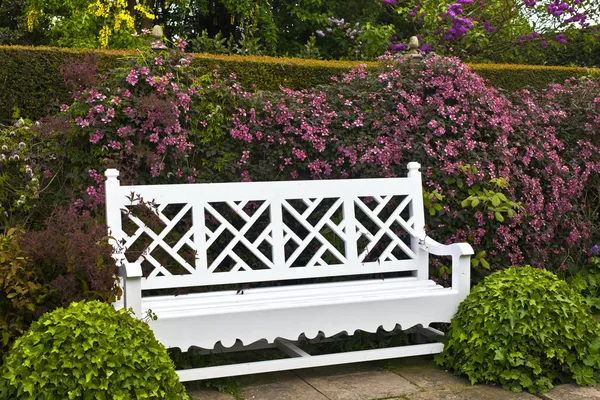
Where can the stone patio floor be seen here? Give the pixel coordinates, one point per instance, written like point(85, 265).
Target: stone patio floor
point(415, 378)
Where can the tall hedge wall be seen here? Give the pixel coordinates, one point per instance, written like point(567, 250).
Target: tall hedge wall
point(30, 78)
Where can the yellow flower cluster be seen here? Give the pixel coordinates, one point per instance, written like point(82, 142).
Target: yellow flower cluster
point(104, 34)
point(32, 19)
point(117, 9)
point(100, 9)
point(113, 13)
point(124, 17)
point(145, 11)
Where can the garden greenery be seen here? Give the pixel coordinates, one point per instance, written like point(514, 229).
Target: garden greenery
point(524, 329)
point(89, 351)
point(531, 31)
point(23, 298)
point(514, 175)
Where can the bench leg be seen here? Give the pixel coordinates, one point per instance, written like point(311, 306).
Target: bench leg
point(132, 292)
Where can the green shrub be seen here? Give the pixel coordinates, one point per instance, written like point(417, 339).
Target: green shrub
point(524, 329)
point(89, 351)
point(587, 280)
point(22, 297)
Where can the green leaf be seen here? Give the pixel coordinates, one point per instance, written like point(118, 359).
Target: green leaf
point(485, 264)
point(499, 216)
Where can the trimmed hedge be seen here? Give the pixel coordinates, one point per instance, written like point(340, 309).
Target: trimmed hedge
point(512, 77)
point(30, 78)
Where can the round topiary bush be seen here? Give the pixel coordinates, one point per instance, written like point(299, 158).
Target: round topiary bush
point(523, 328)
point(89, 351)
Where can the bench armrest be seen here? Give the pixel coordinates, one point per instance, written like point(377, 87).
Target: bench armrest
point(461, 262)
point(131, 272)
point(455, 249)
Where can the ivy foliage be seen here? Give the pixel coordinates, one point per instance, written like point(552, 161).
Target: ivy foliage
point(524, 329)
point(89, 351)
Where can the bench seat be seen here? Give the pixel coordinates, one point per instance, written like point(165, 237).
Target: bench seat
point(289, 311)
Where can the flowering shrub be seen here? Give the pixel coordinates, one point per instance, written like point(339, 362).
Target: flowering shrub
point(155, 121)
point(511, 175)
point(24, 173)
point(472, 141)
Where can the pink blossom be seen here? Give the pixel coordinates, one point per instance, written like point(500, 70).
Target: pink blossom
point(132, 78)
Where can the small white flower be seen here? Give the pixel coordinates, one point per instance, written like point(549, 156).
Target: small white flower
point(4, 147)
point(21, 145)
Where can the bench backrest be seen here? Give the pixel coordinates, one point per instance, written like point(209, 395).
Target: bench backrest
point(268, 231)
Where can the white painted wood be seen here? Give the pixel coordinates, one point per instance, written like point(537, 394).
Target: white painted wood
point(322, 223)
point(290, 349)
point(305, 362)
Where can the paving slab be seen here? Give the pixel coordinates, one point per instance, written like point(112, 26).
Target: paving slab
point(356, 382)
point(472, 393)
point(279, 386)
point(573, 392)
point(430, 377)
point(208, 394)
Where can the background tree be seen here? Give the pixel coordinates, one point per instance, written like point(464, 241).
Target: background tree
point(524, 31)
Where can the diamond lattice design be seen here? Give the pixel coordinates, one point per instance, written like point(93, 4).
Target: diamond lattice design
point(314, 232)
point(238, 236)
point(381, 227)
point(166, 252)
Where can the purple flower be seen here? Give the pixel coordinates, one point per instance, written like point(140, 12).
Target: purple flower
point(390, 1)
point(544, 44)
point(426, 48)
point(488, 28)
point(455, 9)
point(594, 250)
point(561, 38)
point(320, 33)
point(395, 47)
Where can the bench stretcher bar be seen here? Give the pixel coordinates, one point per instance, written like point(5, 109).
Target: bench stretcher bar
point(301, 359)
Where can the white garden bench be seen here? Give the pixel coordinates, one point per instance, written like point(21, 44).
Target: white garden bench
point(256, 233)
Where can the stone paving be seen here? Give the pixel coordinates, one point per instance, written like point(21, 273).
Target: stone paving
point(415, 378)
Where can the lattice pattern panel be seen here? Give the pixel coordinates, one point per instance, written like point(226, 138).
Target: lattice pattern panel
point(239, 237)
point(383, 224)
point(314, 232)
point(161, 237)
